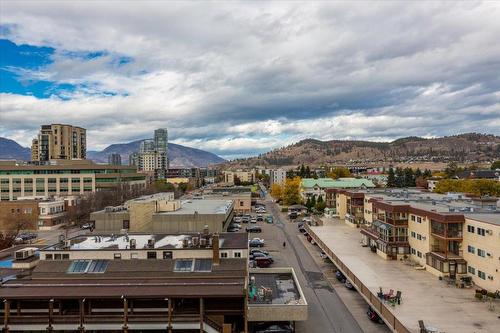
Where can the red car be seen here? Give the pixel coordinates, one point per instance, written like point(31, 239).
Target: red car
point(263, 262)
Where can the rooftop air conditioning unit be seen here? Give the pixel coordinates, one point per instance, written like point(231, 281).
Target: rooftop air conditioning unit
point(151, 242)
point(132, 243)
point(25, 253)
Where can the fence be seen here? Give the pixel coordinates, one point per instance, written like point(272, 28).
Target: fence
point(367, 294)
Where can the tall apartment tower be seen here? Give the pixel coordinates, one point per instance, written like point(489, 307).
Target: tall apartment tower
point(59, 141)
point(153, 154)
point(114, 159)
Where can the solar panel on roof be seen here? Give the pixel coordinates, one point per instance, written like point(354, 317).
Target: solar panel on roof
point(88, 266)
point(203, 265)
point(78, 266)
point(98, 266)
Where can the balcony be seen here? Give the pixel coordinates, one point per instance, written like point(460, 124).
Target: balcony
point(447, 230)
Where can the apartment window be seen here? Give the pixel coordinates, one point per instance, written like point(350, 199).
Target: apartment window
point(471, 270)
point(413, 251)
point(470, 228)
point(237, 254)
point(117, 256)
point(471, 249)
point(57, 256)
point(481, 253)
point(419, 254)
point(481, 274)
point(167, 254)
point(65, 256)
point(126, 224)
point(419, 236)
point(412, 217)
point(481, 231)
point(419, 219)
point(413, 234)
point(223, 254)
point(151, 254)
point(48, 256)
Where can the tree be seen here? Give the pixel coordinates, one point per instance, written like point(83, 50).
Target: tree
point(495, 165)
point(451, 169)
point(400, 177)
point(320, 204)
point(313, 201)
point(277, 191)
point(291, 191)
point(309, 203)
point(308, 172)
point(391, 178)
point(409, 179)
point(427, 173)
point(339, 172)
point(472, 186)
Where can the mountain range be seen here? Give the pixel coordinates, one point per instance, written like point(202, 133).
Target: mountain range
point(462, 148)
point(179, 156)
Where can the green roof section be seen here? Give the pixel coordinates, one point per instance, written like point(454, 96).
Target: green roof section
point(337, 183)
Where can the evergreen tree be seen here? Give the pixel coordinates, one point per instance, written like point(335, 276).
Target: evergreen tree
point(308, 203)
point(308, 172)
point(313, 201)
point(409, 179)
point(302, 171)
point(418, 173)
point(400, 177)
point(320, 204)
point(391, 178)
point(427, 173)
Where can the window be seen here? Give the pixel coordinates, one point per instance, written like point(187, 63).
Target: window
point(413, 234)
point(471, 249)
point(117, 256)
point(412, 217)
point(419, 236)
point(419, 254)
point(481, 274)
point(419, 219)
point(126, 224)
point(470, 228)
point(167, 254)
point(481, 231)
point(57, 256)
point(203, 265)
point(471, 270)
point(65, 256)
point(151, 254)
point(48, 256)
point(237, 254)
point(241, 203)
point(183, 265)
point(223, 254)
point(88, 266)
point(481, 253)
point(413, 251)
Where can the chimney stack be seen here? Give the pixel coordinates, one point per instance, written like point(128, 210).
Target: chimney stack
point(215, 249)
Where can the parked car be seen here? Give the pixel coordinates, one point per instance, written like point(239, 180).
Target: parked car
point(256, 242)
point(252, 251)
point(340, 276)
point(245, 219)
point(260, 255)
point(261, 210)
point(87, 226)
point(253, 228)
point(236, 225)
point(274, 328)
point(269, 219)
point(232, 229)
point(237, 219)
point(25, 237)
point(323, 255)
point(292, 215)
point(373, 316)
point(262, 262)
point(253, 220)
point(260, 218)
point(349, 285)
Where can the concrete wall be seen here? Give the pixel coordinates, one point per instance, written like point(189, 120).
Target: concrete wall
point(490, 243)
point(173, 223)
point(141, 215)
point(109, 222)
point(368, 210)
point(424, 244)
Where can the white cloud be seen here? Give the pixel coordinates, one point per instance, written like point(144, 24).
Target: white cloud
point(240, 78)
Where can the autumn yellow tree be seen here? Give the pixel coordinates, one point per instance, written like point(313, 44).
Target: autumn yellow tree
point(291, 191)
point(339, 172)
point(277, 191)
point(472, 186)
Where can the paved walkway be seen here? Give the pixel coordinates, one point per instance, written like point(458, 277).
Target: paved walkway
point(423, 296)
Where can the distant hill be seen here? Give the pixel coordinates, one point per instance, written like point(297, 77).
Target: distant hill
point(470, 147)
point(11, 150)
point(180, 156)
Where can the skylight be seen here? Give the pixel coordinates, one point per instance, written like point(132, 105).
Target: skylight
point(88, 266)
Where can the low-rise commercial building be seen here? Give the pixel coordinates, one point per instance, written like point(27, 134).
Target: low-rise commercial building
point(240, 195)
point(63, 178)
point(161, 213)
point(239, 176)
point(318, 187)
point(172, 282)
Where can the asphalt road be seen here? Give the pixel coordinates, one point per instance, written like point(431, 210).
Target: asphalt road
point(327, 312)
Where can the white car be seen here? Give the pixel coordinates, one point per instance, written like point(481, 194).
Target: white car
point(236, 225)
point(237, 219)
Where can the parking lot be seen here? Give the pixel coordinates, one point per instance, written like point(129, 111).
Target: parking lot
point(332, 307)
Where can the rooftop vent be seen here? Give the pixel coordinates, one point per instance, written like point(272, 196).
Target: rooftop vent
point(133, 243)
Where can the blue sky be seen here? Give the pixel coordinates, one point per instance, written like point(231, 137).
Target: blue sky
point(246, 77)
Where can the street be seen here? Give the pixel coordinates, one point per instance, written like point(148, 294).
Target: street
point(327, 312)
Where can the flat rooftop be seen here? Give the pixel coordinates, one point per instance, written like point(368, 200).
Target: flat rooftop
point(161, 241)
point(282, 287)
point(424, 297)
point(205, 206)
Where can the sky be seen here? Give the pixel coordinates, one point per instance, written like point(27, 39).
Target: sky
point(242, 78)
